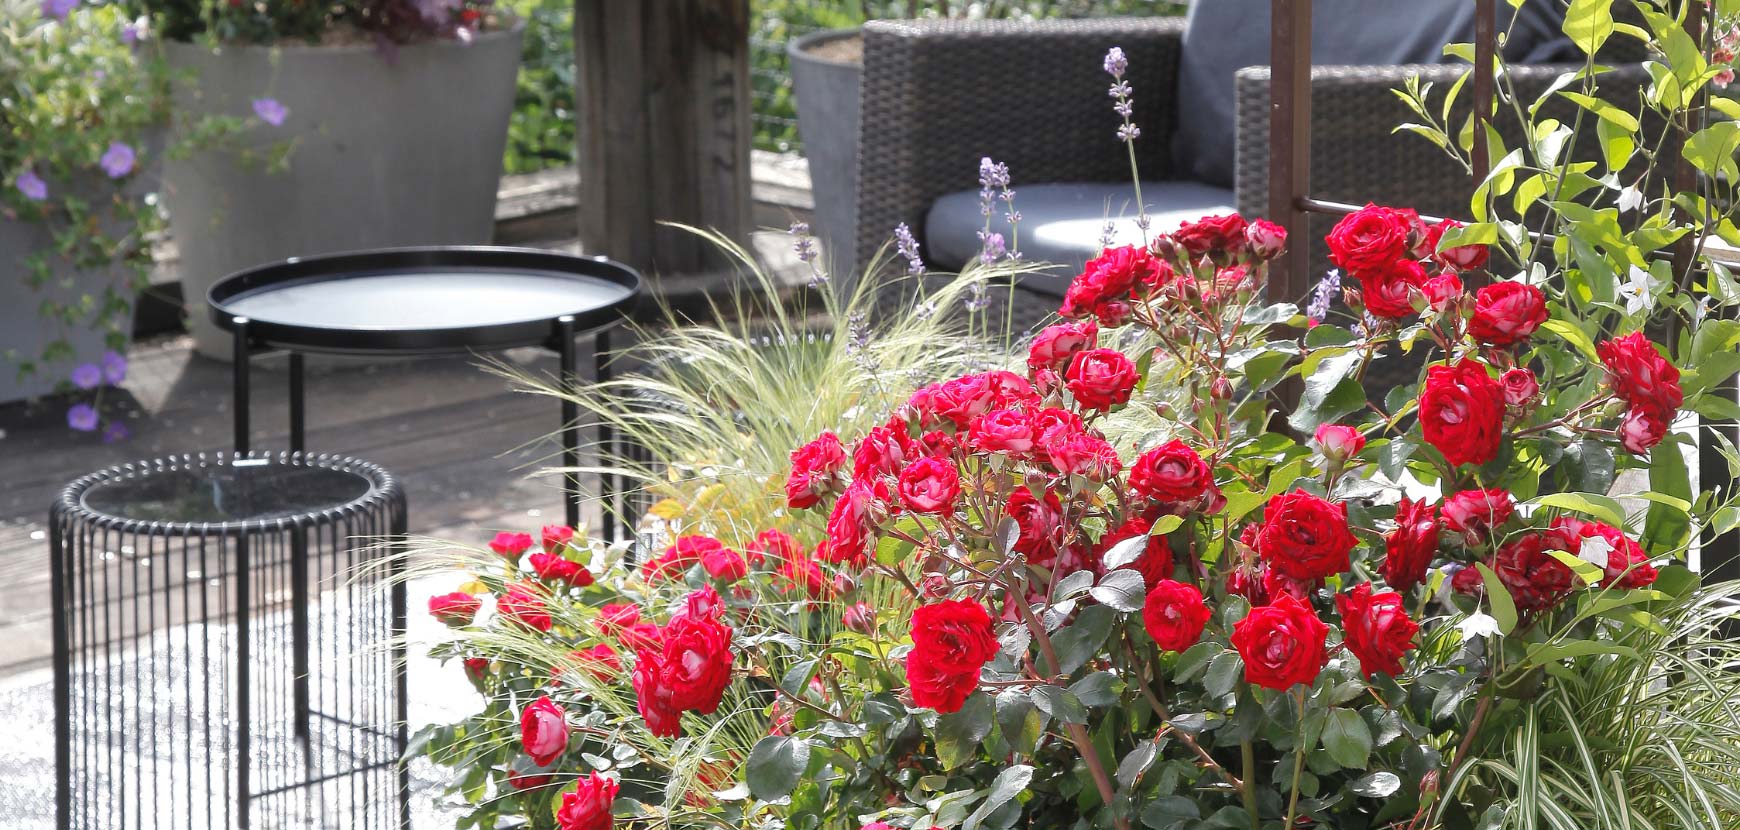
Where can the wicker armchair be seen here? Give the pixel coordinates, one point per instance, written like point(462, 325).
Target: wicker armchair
point(938, 95)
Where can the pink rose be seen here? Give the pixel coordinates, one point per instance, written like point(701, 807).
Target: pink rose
point(930, 486)
point(1054, 346)
point(1265, 238)
point(1101, 378)
point(1339, 443)
point(1520, 386)
point(543, 731)
point(1002, 431)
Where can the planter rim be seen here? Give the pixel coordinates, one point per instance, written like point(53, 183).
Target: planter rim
point(799, 46)
point(292, 46)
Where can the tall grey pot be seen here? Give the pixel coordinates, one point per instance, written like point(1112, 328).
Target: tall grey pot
point(827, 110)
point(405, 151)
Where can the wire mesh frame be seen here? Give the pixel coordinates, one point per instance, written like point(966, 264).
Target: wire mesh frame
point(230, 674)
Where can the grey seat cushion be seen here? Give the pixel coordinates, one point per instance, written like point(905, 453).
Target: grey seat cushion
point(1062, 223)
point(1223, 36)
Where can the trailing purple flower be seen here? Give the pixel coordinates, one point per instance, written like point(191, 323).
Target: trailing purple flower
point(82, 417)
point(114, 368)
point(31, 185)
point(270, 111)
point(118, 160)
point(87, 376)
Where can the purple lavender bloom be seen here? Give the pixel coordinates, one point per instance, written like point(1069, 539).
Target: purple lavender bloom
point(58, 9)
point(805, 246)
point(82, 417)
point(993, 175)
point(270, 111)
point(1129, 132)
point(87, 376)
point(1116, 63)
point(118, 160)
point(114, 368)
point(116, 432)
point(907, 246)
point(993, 247)
point(1324, 294)
point(31, 185)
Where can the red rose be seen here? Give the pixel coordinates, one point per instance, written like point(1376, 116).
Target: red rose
point(1051, 425)
point(1641, 429)
point(1475, 513)
point(523, 605)
point(772, 544)
point(1101, 378)
point(725, 564)
point(1339, 443)
point(938, 444)
point(1211, 233)
point(1410, 548)
point(930, 486)
point(543, 730)
point(813, 468)
point(1468, 580)
point(1536, 580)
point(1041, 524)
point(555, 537)
point(455, 609)
point(881, 452)
point(689, 669)
point(1443, 290)
point(936, 689)
point(1305, 537)
point(1370, 239)
point(1003, 431)
point(1641, 376)
point(1461, 257)
point(1520, 386)
point(860, 618)
point(1155, 560)
point(1281, 643)
point(1266, 239)
point(1085, 455)
point(805, 574)
point(476, 668)
point(951, 641)
point(1388, 290)
point(588, 806)
point(685, 553)
point(641, 635)
point(1104, 285)
point(1626, 565)
point(1507, 313)
point(1174, 615)
point(1171, 472)
point(1055, 345)
point(554, 567)
point(1242, 581)
point(615, 617)
point(600, 661)
point(511, 545)
point(1277, 584)
point(1462, 412)
point(853, 522)
point(522, 780)
point(1377, 629)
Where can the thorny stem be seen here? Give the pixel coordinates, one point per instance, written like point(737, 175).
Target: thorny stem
point(1248, 755)
point(1161, 712)
point(1298, 761)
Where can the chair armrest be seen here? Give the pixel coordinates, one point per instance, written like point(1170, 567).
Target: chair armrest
point(939, 95)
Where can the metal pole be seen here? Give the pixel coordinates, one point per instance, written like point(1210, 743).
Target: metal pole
point(59, 570)
point(239, 374)
point(398, 521)
point(244, 683)
point(569, 377)
point(1485, 47)
point(1290, 140)
point(297, 424)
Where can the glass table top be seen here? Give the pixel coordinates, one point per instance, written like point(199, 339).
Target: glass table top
point(403, 300)
point(253, 489)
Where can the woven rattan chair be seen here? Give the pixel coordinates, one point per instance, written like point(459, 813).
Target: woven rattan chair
point(938, 95)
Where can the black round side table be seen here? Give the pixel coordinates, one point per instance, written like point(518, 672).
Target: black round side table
point(219, 644)
point(411, 301)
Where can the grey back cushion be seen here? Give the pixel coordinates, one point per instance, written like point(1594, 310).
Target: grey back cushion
point(1223, 36)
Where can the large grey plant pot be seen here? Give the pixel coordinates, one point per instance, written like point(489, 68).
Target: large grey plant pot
point(406, 152)
point(828, 113)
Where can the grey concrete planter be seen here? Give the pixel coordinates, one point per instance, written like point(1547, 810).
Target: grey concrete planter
point(827, 107)
point(401, 153)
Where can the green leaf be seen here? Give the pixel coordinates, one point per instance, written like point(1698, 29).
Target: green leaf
point(1570, 333)
point(959, 734)
point(1346, 738)
point(775, 765)
point(1589, 23)
point(1081, 640)
point(1498, 596)
point(1019, 720)
point(1711, 149)
point(1008, 784)
point(1603, 508)
point(1098, 689)
point(1604, 110)
point(1194, 660)
point(1059, 703)
point(1223, 674)
point(1122, 589)
point(1380, 784)
point(1664, 527)
point(1171, 812)
point(1136, 762)
point(797, 678)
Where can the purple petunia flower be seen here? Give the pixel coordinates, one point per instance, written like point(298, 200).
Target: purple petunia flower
point(116, 432)
point(118, 160)
point(82, 417)
point(58, 9)
point(114, 367)
point(32, 186)
point(87, 376)
point(270, 111)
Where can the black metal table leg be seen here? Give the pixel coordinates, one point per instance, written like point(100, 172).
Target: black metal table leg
point(568, 377)
point(297, 424)
point(58, 565)
point(239, 373)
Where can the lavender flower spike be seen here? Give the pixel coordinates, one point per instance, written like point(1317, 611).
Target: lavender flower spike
point(907, 246)
point(1116, 63)
point(1324, 294)
point(805, 246)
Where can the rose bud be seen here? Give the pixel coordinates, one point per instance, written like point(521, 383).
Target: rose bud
point(1339, 443)
point(1640, 430)
point(1221, 389)
point(556, 537)
point(543, 731)
point(935, 586)
point(1520, 386)
point(1442, 291)
point(511, 545)
point(1475, 513)
point(1266, 239)
point(860, 618)
point(455, 609)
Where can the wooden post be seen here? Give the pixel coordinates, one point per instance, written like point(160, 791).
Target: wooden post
point(1290, 143)
point(663, 111)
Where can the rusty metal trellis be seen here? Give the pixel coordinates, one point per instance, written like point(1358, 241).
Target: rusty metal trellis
point(1291, 205)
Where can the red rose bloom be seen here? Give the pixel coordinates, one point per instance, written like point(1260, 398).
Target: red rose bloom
point(588, 806)
point(1640, 430)
point(543, 731)
point(1388, 290)
point(1171, 472)
point(685, 553)
point(511, 545)
point(1377, 628)
point(1155, 561)
point(1041, 524)
point(555, 537)
point(524, 606)
point(813, 468)
point(805, 574)
point(1211, 233)
point(1054, 346)
point(1266, 239)
point(772, 544)
point(725, 564)
point(930, 486)
point(1051, 425)
point(1305, 537)
point(1641, 376)
point(617, 616)
point(1282, 644)
point(951, 641)
point(1277, 584)
point(1536, 580)
point(554, 567)
point(455, 609)
point(1507, 313)
point(1442, 290)
point(1475, 513)
point(1461, 257)
point(1370, 239)
point(641, 635)
point(852, 523)
point(1104, 285)
point(1627, 565)
point(1085, 455)
point(936, 689)
point(1462, 412)
point(689, 669)
point(1410, 548)
point(1520, 386)
point(521, 780)
point(601, 661)
point(1339, 443)
point(882, 452)
point(1002, 431)
point(476, 668)
point(1100, 378)
point(1174, 615)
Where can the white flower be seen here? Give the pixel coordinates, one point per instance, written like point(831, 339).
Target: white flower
point(1638, 290)
point(1476, 625)
point(1594, 550)
point(1630, 198)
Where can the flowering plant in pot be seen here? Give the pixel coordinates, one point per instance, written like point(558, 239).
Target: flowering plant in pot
point(84, 115)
